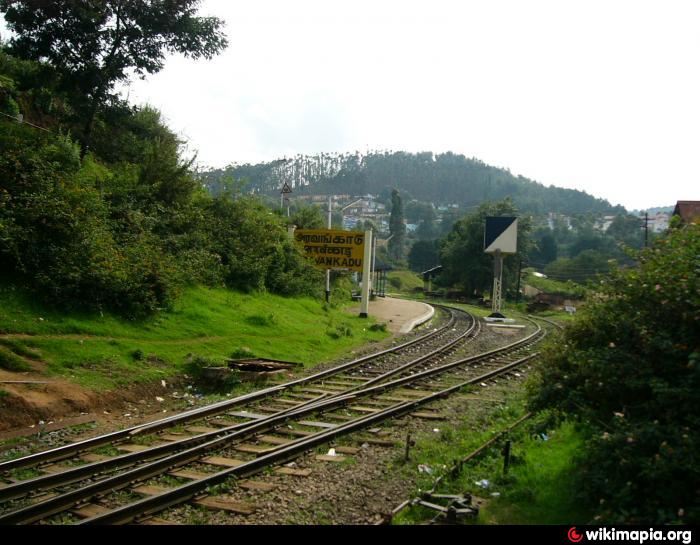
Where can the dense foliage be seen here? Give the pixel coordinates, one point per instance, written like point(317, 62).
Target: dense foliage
point(442, 178)
point(465, 265)
point(94, 45)
point(628, 368)
point(128, 225)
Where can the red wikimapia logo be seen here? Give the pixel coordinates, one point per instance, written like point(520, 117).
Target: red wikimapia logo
point(574, 536)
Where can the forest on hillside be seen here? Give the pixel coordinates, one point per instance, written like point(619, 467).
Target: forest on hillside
point(438, 178)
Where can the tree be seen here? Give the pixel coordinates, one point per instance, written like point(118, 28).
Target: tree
point(95, 45)
point(462, 251)
point(308, 217)
point(628, 230)
point(397, 227)
point(546, 250)
point(628, 371)
point(423, 255)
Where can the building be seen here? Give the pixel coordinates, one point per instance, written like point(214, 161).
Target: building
point(658, 222)
point(689, 211)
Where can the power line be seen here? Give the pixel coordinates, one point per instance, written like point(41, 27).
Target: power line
point(21, 120)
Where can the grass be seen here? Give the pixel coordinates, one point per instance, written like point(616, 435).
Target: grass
point(11, 361)
point(548, 285)
point(403, 282)
point(540, 487)
point(510, 309)
point(20, 348)
point(98, 350)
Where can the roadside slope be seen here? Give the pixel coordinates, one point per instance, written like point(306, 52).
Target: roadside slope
point(82, 356)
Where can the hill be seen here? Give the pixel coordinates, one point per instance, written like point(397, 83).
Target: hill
point(442, 179)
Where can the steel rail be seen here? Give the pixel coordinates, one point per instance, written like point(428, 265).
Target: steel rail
point(154, 504)
point(42, 482)
point(559, 326)
point(65, 451)
point(63, 502)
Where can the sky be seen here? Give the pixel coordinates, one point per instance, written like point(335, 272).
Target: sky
point(602, 96)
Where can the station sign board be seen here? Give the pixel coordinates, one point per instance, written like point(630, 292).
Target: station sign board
point(332, 249)
point(501, 234)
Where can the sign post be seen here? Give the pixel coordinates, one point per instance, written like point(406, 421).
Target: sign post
point(366, 275)
point(286, 190)
point(328, 271)
point(500, 238)
point(332, 249)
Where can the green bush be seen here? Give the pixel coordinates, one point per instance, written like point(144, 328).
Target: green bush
point(194, 364)
point(241, 353)
point(628, 368)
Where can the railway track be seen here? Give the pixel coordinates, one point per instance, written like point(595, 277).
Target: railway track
point(456, 329)
point(457, 326)
point(107, 490)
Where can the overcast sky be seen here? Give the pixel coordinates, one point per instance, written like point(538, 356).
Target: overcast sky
point(602, 96)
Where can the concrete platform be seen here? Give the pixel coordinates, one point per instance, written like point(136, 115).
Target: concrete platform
point(400, 315)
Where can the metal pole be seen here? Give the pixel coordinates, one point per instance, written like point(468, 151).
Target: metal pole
point(506, 457)
point(328, 272)
point(374, 259)
point(497, 282)
point(364, 306)
point(646, 229)
point(520, 268)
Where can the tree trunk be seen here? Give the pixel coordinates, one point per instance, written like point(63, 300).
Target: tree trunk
point(89, 126)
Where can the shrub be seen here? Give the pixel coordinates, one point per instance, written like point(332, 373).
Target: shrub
point(242, 352)
point(628, 368)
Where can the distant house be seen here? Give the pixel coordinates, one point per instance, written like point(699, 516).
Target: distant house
point(689, 211)
point(604, 223)
point(658, 222)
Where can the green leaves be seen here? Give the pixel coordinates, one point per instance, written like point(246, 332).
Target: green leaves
point(633, 352)
point(462, 250)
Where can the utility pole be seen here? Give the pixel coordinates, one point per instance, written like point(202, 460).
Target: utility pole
point(328, 272)
point(520, 268)
point(646, 229)
point(374, 261)
point(366, 276)
point(497, 283)
point(284, 196)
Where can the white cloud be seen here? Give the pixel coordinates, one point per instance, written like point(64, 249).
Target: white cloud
point(600, 96)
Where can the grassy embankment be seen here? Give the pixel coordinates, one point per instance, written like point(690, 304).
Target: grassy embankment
point(567, 288)
point(403, 283)
point(105, 351)
point(540, 487)
point(542, 482)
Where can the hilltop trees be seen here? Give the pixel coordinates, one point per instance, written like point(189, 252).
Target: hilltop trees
point(445, 178)
point(397, 228)
point(94, 45)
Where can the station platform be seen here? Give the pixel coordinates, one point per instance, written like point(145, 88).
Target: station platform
point(400, 315)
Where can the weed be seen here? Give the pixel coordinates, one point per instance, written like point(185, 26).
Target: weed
point(20, 349)
point(11, 361)
point(259, 320)
point(242, 352)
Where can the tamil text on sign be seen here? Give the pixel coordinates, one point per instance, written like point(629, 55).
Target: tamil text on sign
point(331, 249)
